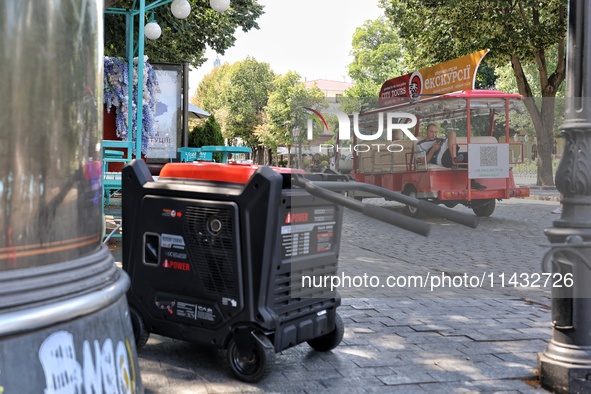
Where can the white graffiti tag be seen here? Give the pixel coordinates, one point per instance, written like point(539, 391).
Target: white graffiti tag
point(63, 374)
point(106, 368)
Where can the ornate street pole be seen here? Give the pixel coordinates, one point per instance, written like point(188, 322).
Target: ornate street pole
point(565, 365)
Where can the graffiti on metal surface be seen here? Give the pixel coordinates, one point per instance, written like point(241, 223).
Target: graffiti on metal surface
point(105, 369)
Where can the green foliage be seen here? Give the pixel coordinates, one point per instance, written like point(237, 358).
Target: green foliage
point(453, 28)
point(245, 97)
point(184, 40)
point(207, 95)
point(286, 108)
point(529, 167)
point(485, 76)
point(208, 133)
point(237, 94)
point(377, 53)
point(506, 80)
point(377, 56)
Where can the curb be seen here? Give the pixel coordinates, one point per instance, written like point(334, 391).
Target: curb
point(545, 198)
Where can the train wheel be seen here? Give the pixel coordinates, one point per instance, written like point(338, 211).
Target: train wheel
point(411, 191)
point(486, 209)
point(332, 339)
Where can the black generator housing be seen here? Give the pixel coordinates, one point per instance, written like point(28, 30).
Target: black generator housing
point(221, 262)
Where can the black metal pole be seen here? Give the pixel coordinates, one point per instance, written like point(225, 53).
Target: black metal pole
point(565, 365)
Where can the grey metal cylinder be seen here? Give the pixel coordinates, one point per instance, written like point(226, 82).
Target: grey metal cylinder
point(50, 119)
point(64, 322)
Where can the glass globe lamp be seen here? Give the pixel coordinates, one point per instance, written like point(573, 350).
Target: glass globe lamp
point(180, 9)
point(152, 30)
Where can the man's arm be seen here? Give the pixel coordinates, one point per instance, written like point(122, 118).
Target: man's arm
point(431, 151)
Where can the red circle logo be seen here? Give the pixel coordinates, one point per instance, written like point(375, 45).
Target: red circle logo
point(415, 84)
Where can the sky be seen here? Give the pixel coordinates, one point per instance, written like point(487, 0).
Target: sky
point(312, 37)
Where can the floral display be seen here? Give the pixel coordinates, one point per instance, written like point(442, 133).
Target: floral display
point(115, 93)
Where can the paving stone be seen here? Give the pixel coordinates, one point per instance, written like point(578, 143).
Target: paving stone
point(401, 389)
point(444, 341)
point(445, 388)
point(350, 384)
point(365, 372)
point(312, 375)
point(415, 378)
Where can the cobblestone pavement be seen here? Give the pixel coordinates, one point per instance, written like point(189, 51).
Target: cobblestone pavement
point(464, 339)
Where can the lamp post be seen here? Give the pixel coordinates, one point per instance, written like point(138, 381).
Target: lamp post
point(565, 365)
point(298, 144)
point(152, 30)
point(181, 10)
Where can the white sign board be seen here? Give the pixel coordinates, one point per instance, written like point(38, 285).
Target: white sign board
point(167, 114)
point(488, 161)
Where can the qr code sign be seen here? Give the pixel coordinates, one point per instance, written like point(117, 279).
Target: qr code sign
point(489, 156)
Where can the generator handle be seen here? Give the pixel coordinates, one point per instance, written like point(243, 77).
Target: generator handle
point(373, 211)
point(424, 206)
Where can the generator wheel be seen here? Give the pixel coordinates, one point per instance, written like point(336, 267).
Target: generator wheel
point(332, 339)
point(486, 209)
point(141, 334)
point(252, 367)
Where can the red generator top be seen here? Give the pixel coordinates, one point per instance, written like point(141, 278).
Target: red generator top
point(220, 172)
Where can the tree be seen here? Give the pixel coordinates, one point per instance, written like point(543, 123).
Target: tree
point(286, 110)
point(207, 95)
point(377, 55)
point(184, 40)
point(506, 83)
point(237, 95)
point(522, 32)
point(208, 133)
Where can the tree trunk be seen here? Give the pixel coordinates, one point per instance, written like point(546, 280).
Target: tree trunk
point(255, 154)
point(258, 155)
point(545, 142)
point(543, 121)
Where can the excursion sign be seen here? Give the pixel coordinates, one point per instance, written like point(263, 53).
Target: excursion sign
point(451, 76)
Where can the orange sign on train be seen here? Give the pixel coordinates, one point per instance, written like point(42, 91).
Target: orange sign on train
point(447, 77)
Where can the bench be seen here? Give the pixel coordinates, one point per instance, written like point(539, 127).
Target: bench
point(114, 152)
point(226, 151)
point(383, 161)
point(376, 161)
point(193, 154)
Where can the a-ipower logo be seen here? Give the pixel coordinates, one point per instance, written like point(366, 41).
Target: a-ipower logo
point(395, 121)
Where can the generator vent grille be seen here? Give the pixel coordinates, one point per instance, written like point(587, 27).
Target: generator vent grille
point(291, 300)
point(211, 242)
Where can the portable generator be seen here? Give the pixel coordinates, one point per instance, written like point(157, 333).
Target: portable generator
point(216, 254)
